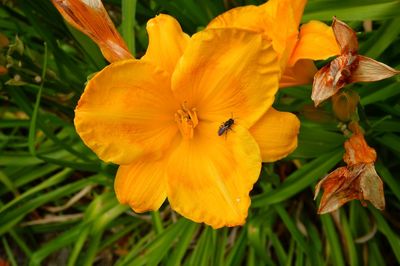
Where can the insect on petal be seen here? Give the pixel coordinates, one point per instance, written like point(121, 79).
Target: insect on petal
point(209, 177)
point(227, 72)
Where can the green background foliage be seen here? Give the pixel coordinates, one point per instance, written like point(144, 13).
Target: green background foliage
point(57, 204)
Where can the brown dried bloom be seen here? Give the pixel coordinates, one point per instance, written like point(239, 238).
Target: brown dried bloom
point(357, 180)
point(347, 68)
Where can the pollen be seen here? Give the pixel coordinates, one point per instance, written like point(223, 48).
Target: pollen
point(187, 121)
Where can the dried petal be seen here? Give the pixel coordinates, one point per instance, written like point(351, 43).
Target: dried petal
point(345, 36)
point(348, 183)
point(349, 67)
point(340, 187)
point(371, 186)
point(332, 77)
point(370, 70)
point(358, 151)
point(322, 86)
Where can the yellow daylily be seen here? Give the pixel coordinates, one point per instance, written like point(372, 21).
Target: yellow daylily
point(160, 117)
point(90, 17)
point(278, 21)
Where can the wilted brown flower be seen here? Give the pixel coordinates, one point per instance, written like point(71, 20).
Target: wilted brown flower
point(357, 180)
point(347, 68)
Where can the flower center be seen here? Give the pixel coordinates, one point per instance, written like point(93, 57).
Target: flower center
point(187, 120)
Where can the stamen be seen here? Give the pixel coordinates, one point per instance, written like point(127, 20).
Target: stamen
point(187, 120)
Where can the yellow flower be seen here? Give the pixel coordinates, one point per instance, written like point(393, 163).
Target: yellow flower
point(90, 17)
point(160, 119)
point(278, 21)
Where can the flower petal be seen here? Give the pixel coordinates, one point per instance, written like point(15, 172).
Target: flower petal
point(316, 42)
point(244, 17)
point(358, 181)
point(142, 184)
point(345, 36)
point(370, 70)
point(166, 42)
point(300, 74)
point(276, 134)
point(297, 9)
point(322, 86)
point(278, 20)
point(127, 110)
point(283, 18)
point(331, 78)
point(358, 151)
point(340, 187)
point(210, 176)
point(91, 18)
point(372, 187)
point(225, 73)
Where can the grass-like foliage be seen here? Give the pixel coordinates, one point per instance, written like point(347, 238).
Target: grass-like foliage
point(57, 202)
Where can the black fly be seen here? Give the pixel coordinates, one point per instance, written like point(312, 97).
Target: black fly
point(224, 127)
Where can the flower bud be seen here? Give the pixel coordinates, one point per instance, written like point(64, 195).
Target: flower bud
point(344, 105)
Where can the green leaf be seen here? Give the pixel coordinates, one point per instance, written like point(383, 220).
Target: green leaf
point(333, 240)
point(352, 10)
point(128, 24)
point(299, 180)
point(313, 142)
point(384, 228)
